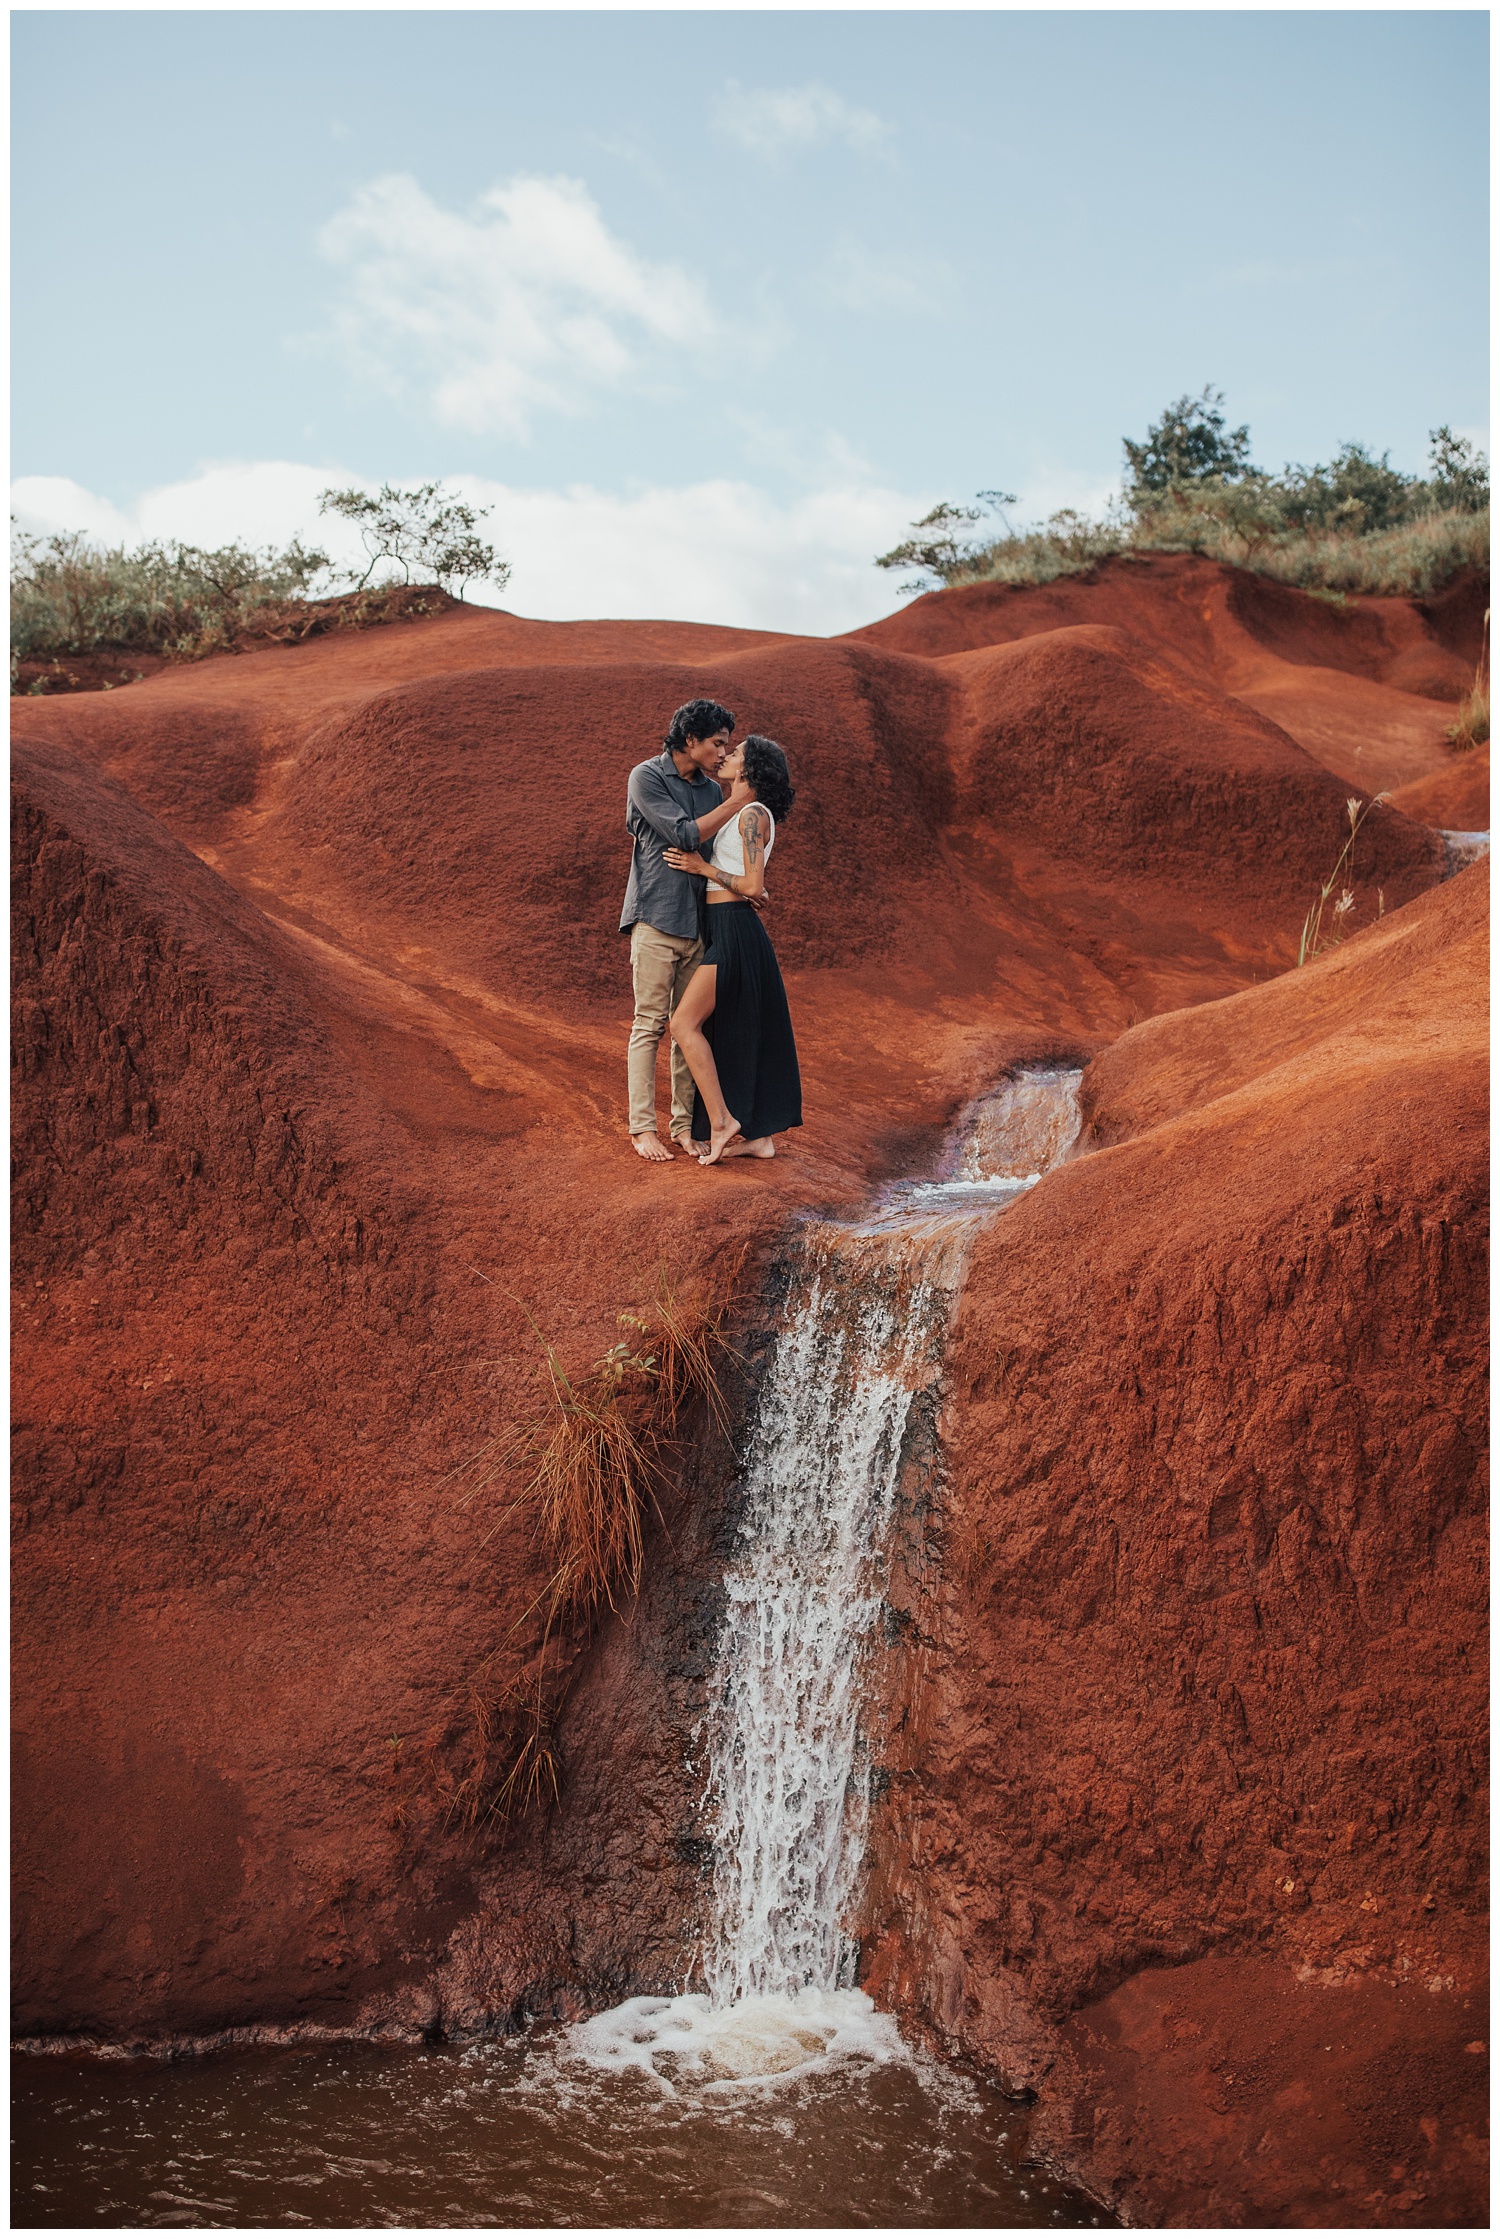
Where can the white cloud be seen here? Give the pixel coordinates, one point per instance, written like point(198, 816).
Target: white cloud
point(714, 551)
point(268, 501)
point(808, 116)
point(527, 304)
point(51, 501)
point(718, 551)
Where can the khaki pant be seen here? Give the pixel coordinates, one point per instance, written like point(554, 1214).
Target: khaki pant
point(661, 964)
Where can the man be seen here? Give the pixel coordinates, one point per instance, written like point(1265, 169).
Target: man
point(671, 801)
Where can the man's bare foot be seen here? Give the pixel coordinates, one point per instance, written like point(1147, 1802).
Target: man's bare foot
point(759, 1146)
point(719, 1140)
point(652, 1147)
point(686, 1143)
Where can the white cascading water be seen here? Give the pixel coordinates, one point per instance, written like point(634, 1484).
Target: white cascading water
point(790, 1787)
point(788, 1771)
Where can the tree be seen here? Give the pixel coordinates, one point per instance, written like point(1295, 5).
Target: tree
point(1460, 473)
point(939, 543)
point(423, 527)
point(1200, 516)
point(1189, 443)
point(1354, 494)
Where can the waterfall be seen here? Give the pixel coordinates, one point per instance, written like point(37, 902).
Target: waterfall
point(789, 1773)
point(787, 1770)
point(864, 1325)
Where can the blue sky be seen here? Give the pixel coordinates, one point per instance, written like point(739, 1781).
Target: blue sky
point(708, 304)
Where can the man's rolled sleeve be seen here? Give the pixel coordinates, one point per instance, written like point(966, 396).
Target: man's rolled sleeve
point(654, 805)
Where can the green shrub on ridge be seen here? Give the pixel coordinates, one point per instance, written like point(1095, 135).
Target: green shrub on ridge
point(1354, 525)
point(70, 596)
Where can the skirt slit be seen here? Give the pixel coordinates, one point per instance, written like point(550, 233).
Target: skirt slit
point(750, 1027)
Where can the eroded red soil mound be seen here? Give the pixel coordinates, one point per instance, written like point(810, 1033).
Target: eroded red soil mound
point(1455, 798)
point(1364, 684)
point(320, 1029)
point(1210, 1676)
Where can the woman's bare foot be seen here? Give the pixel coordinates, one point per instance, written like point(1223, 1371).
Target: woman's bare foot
point(720, 1138)
point(652, 1147)
point(759, 1146)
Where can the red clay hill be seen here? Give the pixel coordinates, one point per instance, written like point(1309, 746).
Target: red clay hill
point(320, 1017)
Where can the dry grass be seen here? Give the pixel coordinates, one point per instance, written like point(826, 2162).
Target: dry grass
point(595, 1456)
point(512, 1761)
point(1411, 558)
point(1471, 724)
point(1323, 928)
point(1408, 560)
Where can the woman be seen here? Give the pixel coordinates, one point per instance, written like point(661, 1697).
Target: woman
point(732, 1025)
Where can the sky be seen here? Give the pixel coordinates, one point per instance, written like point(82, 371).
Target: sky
point(709, 306)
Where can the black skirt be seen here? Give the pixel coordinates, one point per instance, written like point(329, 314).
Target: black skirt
point(750, 1028)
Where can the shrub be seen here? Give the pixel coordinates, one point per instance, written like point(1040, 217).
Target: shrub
point(1355, 524)
point(1189, 443)
point(1460, 473)
point(179, 600)
point(939, 543)
point(420, 526)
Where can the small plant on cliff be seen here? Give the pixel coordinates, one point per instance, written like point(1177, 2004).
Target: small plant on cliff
point(1471, 724)
point(594, 1458)
point(422, 529)
point(1328, 921)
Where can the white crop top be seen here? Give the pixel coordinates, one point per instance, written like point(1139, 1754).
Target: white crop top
point(729, 847)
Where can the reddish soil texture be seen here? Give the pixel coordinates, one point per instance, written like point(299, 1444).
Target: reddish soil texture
point(106, 669)
point(1455, 798)
point(320, 1029)
point(1200, 1762)
point(1365, 684)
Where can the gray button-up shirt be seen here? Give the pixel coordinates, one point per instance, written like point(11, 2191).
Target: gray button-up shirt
point(661, 811)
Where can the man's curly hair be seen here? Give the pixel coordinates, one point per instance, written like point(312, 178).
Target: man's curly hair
point(697, 719)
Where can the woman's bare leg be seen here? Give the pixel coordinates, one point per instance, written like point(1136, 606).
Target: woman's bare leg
point(687, 1032)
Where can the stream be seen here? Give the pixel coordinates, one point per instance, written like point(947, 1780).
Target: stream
point(774, 2095)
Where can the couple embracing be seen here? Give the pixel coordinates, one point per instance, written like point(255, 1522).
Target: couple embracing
point(700, 959)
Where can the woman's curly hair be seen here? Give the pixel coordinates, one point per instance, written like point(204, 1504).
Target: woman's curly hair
point(766, 770)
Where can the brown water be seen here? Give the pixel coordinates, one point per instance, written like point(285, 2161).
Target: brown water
point(514, 2133)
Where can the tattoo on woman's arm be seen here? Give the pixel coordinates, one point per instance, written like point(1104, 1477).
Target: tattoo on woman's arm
point(754, 830)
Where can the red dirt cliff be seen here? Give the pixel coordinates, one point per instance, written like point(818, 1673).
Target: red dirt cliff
point(1206, 1688)
point(320, 1017)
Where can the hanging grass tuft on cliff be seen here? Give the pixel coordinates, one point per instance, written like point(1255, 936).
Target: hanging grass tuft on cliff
point(595, 1456)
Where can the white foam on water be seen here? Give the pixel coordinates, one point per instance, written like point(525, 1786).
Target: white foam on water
point(690, 2042)
point(988, 1189)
